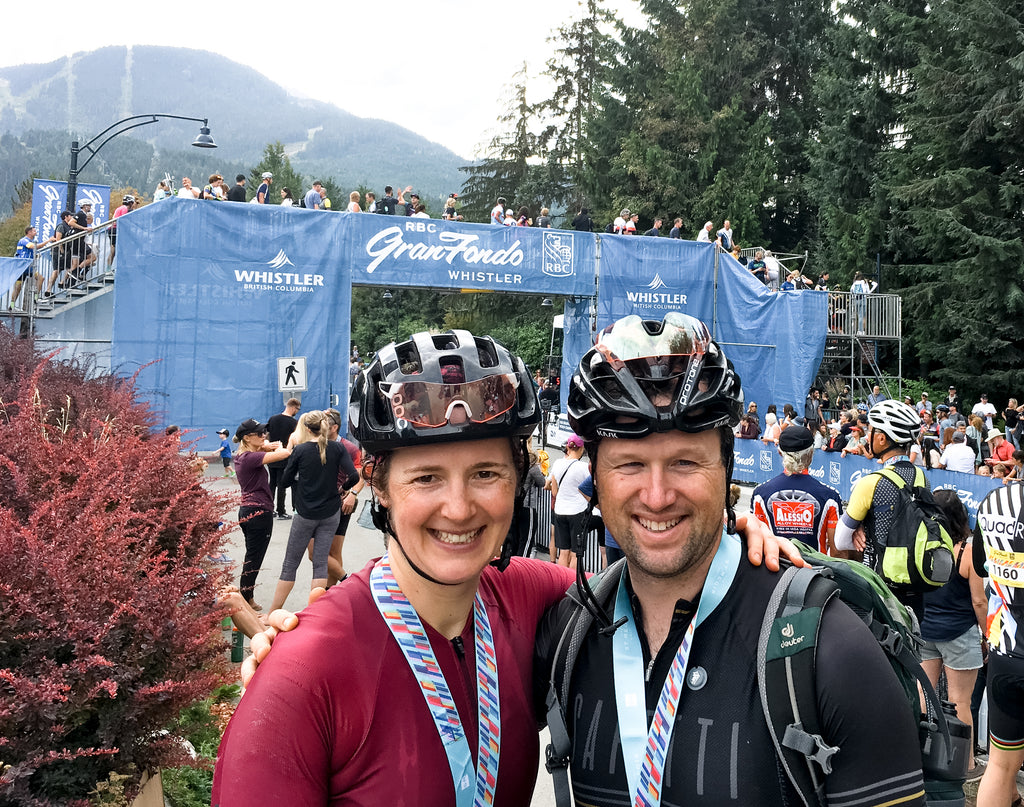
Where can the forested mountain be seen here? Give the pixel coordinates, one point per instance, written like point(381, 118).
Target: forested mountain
point(41, 105)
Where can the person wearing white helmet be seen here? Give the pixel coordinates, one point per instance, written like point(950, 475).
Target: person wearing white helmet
point(264, 189)
point(892, 427)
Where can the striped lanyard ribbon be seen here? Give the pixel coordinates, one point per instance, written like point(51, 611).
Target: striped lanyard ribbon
point(645, 750)
point(404, 624)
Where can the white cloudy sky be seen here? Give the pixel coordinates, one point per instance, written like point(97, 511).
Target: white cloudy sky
point(452, 59)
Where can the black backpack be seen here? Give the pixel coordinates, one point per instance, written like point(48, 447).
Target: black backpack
point(786, 670)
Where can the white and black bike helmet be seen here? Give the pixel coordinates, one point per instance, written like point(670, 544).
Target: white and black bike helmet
point(898, 421)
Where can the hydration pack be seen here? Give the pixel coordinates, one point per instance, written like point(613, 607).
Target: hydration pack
point(786, 670)
point(917, 553)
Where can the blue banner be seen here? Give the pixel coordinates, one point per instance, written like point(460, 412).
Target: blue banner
point(210, 294)
point(49, 198)
point(404, 251)
point(215, 292)
point(756, 462)
point(10, 270)
point(774, 339)
point(576, 340)
point(652, 276)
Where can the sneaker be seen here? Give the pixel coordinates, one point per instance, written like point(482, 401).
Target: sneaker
point(975, 773)
point(221, 558)
point(283, 517)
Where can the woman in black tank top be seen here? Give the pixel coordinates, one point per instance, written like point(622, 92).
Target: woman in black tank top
point(954, 617)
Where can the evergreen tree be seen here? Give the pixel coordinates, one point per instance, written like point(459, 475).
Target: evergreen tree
point(861, 89)
point(960, 198)
point(510, 168)
point(581, 70)
point(721, 103)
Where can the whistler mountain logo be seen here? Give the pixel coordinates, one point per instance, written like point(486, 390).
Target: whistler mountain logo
point(279, 261)
point(294, 281)
point(657, 295)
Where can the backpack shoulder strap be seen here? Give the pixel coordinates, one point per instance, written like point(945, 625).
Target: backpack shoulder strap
point(786, 679)
point(564, 662)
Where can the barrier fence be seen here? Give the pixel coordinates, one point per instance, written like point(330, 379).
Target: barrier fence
point(756, 462)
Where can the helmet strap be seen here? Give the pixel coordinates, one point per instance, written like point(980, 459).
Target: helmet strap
point(730, 513)
point(518, 536)
point(413, 566)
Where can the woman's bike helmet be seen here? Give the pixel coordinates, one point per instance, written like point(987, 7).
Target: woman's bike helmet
point(436, 388)
point(645, 376)
point(440, 387)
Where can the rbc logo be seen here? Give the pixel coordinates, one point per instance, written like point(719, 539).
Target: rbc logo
point(833, 473)
point(766, 461)
point(557, 254)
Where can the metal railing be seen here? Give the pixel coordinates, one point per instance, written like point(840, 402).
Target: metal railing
point(540, 534)
point(873, 316)
point(64, 270)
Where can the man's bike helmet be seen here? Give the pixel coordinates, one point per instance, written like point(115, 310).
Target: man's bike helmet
point(897, 420)
point(644, 376)
point(435, 388)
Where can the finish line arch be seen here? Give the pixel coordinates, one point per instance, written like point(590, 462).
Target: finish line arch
point(209, 295)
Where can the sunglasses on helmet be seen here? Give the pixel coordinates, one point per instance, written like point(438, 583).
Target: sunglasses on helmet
point(430, 405)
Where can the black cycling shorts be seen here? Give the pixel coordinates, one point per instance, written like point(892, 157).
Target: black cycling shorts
point(1006, 701)
point(564, 525)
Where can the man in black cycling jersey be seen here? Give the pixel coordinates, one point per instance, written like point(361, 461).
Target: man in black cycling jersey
point(664, 708)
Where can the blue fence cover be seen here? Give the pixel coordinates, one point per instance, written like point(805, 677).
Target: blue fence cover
point(49, 198)
point(10, 270)
point(210, 294)
point(757, 462)
point(774, 339)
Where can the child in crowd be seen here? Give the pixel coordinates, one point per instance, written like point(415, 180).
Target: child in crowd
point(225, 453)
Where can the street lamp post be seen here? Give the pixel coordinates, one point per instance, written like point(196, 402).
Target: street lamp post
point(203, 140)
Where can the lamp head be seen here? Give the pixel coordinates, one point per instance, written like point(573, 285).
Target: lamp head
point(204, 140)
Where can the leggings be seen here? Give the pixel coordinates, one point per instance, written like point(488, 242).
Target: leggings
point(322, 532)
point(277, 490)
point(257, 525)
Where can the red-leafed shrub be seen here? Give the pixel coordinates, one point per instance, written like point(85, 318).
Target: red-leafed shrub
point(108, 622)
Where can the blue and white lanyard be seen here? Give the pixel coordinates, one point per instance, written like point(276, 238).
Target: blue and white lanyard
point(644, 751)
point(405, 625)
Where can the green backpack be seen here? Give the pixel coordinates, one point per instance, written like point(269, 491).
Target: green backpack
point(917, 554)
point(786, 662)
